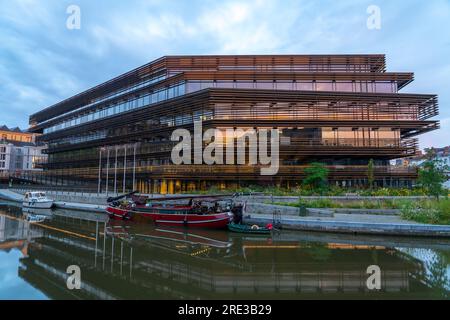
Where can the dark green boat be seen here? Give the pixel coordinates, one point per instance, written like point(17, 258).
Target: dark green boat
point(242, 228)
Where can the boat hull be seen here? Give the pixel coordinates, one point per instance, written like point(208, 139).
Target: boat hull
point(212, 221)
point(38, 204)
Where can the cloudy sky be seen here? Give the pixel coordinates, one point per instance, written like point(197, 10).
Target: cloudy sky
point(43, 62)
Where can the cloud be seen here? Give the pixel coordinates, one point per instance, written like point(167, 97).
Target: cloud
point(41, 62)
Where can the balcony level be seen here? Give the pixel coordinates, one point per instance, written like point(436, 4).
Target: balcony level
point(169, 66)
point(269, 105)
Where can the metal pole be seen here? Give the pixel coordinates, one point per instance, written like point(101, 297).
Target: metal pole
point(134, 168)
point(124, 168)
point(107, 171)
point(115, 174)
point(96, 243)
point(112, 254)
point(121, 256)
point(104, 246)
point(131, 261)
point(99, 171)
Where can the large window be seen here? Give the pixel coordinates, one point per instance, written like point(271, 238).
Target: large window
point(339, 86)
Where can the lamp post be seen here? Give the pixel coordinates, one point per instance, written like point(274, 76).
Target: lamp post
point(115, 173)
point(124, 168)
point(107, 170)
point(134, 167)
point(99, 171)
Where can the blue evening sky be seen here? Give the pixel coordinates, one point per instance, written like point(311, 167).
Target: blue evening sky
point(43, 62)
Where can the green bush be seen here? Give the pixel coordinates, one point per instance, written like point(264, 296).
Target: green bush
point(316, 176)
point(432, 175)
point(393, 192)
point(428, 211)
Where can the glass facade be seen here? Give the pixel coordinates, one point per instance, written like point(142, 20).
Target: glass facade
point(307, 67)
point(191, 86)
point(337, 86)
point(119, 107)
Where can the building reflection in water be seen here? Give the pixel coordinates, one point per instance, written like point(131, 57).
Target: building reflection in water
point(124, 261)
point(16, 233)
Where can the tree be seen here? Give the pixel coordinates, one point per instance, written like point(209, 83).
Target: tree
point(370, 173)
point(316, 175)
point(432, 175)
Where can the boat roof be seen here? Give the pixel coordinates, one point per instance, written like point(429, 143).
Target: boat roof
point(32, 193)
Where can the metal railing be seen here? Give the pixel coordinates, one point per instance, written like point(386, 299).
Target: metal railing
point(85, 178)
point(53, 190)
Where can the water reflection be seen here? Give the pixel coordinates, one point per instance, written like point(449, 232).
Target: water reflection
point(126, 261)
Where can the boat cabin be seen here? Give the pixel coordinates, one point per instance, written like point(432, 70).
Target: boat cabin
point(35, 195)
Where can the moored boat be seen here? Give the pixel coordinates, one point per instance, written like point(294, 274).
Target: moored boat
point(177, 217)
point(196, 214)
point(242, 228)
point(37, 199)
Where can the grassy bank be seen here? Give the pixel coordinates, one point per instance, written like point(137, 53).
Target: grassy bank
point(330, 191)
point(428, 211)
point(359, 204)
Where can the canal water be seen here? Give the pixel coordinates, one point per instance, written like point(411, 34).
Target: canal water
point(119, 260)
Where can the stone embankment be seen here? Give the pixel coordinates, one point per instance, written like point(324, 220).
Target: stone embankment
point(260, 210)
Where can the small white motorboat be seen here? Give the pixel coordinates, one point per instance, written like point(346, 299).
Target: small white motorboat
point(37, 199)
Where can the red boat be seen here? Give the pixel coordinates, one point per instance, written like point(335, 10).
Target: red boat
point(188, 216)
point(200, 212)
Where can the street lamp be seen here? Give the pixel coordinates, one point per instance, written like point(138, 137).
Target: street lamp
point(124, 168)
point(100, 170)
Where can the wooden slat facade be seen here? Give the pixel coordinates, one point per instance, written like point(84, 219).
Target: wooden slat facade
point(397, 117)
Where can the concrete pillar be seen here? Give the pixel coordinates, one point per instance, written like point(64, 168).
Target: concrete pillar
point(156, 184)
point(171, 187)
point(163, 189)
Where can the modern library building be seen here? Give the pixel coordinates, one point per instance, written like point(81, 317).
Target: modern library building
point(340, 110)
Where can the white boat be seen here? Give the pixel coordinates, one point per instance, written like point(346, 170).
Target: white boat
point(37, 199)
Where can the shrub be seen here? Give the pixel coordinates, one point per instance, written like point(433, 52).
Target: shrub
point(432, 176)
point(316, 176)
point(427, 211)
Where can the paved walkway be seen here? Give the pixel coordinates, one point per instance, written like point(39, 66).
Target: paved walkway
point(342, 217)
point(355, 224)
point(9, 195)
point(372, 218)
